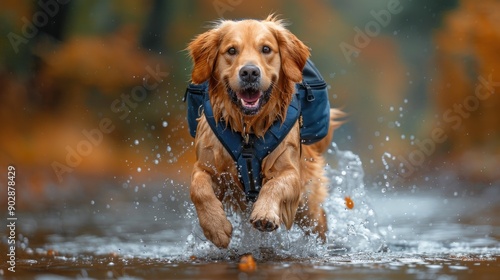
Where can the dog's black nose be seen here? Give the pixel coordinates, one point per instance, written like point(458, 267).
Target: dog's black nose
point(249, 73)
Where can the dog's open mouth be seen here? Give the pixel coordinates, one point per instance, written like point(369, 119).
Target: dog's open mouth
point(249, 98)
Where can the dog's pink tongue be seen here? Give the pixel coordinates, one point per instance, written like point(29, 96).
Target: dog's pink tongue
point(250, 96)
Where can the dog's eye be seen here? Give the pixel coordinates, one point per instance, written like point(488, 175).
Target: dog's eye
point(231, 51)
point(266, 49)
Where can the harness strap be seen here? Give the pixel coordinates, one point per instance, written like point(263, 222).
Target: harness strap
point(247, 167)
point(249, 156)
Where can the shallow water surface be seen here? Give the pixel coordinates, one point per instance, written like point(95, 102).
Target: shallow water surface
point(415, 234)
point(132, 245)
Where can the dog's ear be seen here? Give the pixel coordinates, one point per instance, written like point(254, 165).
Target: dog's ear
point(293, 53)
point(203, 51)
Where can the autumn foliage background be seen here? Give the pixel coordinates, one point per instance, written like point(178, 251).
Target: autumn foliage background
point(92, 58)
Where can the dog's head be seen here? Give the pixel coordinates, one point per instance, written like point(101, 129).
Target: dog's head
point(253, 64)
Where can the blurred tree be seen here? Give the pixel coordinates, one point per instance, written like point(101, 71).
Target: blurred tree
point(152, 37)
point(467, 62)
point(52, 31)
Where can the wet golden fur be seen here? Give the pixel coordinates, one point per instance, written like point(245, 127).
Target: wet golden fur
point(293, 185)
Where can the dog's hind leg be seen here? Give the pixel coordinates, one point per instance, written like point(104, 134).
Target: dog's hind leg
point(311, 216)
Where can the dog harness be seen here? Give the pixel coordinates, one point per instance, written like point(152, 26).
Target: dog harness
point(247, 150)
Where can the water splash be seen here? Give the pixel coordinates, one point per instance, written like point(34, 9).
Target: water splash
point(350, 230)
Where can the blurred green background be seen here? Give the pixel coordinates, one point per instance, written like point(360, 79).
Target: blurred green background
point(92, 90)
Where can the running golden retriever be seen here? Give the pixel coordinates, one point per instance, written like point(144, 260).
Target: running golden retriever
point(252, 67)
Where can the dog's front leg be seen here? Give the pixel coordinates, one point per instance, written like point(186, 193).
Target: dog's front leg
point(213, 221)
point(278, 201)
point(279, 197)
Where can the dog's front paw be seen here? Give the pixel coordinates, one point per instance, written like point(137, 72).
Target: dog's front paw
point(264, 218)
point(219, 232)
point(216, 227)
